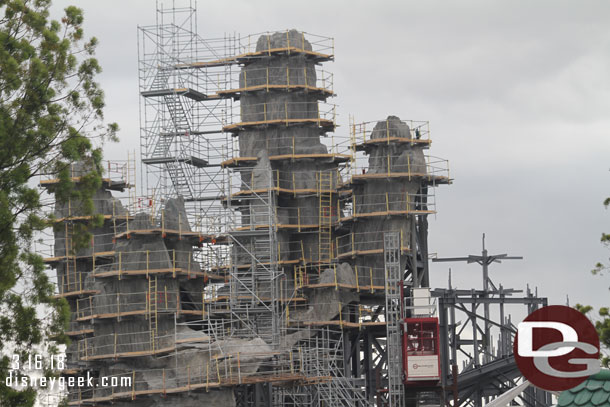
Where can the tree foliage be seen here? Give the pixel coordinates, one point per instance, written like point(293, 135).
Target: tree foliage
point(605, 239)
point(51, 114)
point(602, 324)
point(602, 319)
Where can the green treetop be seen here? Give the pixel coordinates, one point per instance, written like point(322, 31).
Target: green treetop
point(51, 114)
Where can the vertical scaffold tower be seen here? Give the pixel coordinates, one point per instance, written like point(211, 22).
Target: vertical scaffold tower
point(283, 172)
point(183, 113)
point(284, 191)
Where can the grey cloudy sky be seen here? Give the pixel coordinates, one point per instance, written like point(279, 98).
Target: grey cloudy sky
point(517, 94)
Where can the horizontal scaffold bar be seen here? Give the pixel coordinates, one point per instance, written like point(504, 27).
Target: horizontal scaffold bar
point(58, 259)
point(354, 253)
point(205, 386)
point(365, 145)
point(192, 160)
point(107, 183)
point(79, 332)
point(287, 87)
point(236, 161)
point(199, 237)
point(248, 56)
point(121, 314)
point(170, 270)
point(325, 124)
point(186, 92)
point(78, 293)
point(386, 214)
point(342, 324)
point(84, 218)
point(436, 179)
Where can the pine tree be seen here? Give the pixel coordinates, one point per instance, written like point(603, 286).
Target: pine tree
point(51, 114)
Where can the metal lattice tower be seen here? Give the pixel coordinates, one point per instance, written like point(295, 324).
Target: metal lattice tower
point(254, 299)
point(394, 317)
point(490, 367)
point(182, 114)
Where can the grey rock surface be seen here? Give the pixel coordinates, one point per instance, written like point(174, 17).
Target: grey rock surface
point(379, 195)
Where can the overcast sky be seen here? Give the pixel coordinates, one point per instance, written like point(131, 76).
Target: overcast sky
point(518, 98)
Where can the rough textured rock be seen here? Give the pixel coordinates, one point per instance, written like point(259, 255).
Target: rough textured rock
point(324, 303)
point(122, 306)
point(381, 195)
point(280, 70)
point(175, 216)
point(401, 159)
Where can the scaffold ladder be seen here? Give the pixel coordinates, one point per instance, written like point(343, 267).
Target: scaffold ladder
point(180, 178)
point(254, 291)
point(339, 391)
point(163, 146)
point(130, 177)
point(393, 311)
point(161, 79)
point(325, 219)
point(163, 140)
point(177, 114)
point(153, 300)
point(173, 138)
point(69, 232)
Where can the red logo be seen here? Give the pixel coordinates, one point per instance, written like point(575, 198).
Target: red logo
point(556, 348)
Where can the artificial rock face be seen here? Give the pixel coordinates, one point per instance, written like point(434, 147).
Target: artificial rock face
point(274, 144)
point(324, 303)
point(293, 69)
point(398, 167)
point(117, 310)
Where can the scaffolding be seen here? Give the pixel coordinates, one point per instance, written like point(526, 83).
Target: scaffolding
point(182, 115)
point(254, 290)
point(264, 258)
point(488, 367)
point(394, 317)
point(234, 367)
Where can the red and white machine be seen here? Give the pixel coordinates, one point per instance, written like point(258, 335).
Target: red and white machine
point(421, 358)
point(420, 339)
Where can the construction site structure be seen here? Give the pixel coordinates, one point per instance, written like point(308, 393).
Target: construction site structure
point(468, 321)
point(265, 260)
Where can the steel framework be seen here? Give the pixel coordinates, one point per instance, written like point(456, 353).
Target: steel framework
point(291, 265)
point(468, 321)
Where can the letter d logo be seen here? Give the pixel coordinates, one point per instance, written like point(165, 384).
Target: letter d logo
point(556, 348)
point(526, 338)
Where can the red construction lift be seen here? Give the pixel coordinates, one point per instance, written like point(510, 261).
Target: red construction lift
point(421, 358)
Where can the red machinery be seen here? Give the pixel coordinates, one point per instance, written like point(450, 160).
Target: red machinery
point(421, 358)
